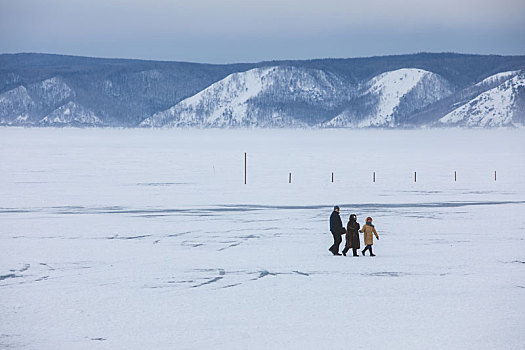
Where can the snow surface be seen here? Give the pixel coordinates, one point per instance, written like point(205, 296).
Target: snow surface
point(494, 107)
point(149, 239)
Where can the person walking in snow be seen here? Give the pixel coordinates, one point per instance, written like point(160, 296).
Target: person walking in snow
point(369, 232)
point(352, 236)
point(337, 229)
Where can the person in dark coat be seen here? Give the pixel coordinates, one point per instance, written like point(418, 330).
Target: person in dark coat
point(337, 229)
point(352, 236)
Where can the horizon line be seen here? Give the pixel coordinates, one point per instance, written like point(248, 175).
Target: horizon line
point(263, 61)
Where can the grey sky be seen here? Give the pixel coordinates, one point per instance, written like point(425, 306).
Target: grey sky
point(254, 30)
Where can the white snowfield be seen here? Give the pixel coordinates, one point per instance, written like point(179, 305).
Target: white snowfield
point(149, 239)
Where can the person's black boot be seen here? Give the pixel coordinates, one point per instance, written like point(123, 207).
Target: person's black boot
point(355, 252)
point(335, 252)
point(363, 251)
point(371, 252)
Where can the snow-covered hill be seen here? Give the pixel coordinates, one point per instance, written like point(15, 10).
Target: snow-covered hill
point(222, 104)
point(393, 89)
point(51, 92)
point(423, 90)
point(71, 114)
point(254, 98)
point(393, 95)
point(50, 97)
point(497, 78)
point(495, 107)
point(15, 106)
point(258, 97)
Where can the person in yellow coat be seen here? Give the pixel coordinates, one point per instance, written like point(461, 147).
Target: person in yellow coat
point(369, 231)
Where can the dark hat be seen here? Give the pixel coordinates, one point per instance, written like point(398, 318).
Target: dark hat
point(336, 207)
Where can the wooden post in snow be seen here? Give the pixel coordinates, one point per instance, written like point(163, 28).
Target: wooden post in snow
point(245, 168)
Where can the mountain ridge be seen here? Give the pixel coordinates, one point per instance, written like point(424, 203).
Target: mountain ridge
point(127, 92)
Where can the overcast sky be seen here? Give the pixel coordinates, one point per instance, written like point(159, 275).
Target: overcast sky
point(227, 31)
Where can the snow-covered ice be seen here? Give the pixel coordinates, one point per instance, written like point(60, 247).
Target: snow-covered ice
point(149, 239)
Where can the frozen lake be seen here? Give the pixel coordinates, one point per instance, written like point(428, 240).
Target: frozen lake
point(149, 239)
